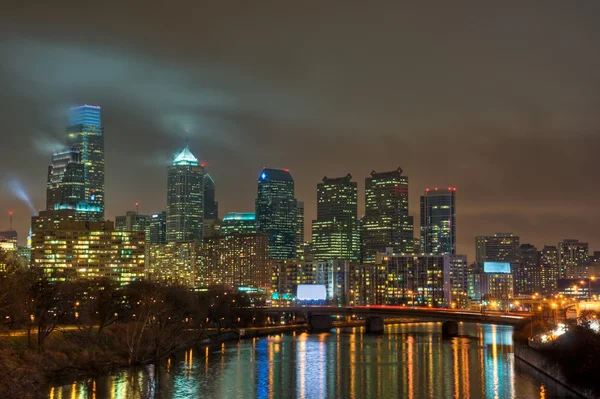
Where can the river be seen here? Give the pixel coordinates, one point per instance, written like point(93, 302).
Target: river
point(408, 361)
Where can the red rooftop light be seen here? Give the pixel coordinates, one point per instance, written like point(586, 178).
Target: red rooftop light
point(286, 170)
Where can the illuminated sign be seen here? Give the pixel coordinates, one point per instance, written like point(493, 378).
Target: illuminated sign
point(311, 292)
point(496, 267)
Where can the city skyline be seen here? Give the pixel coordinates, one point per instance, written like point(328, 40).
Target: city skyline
point(461, 112)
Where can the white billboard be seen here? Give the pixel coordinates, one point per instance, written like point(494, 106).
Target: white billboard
point(311, 292)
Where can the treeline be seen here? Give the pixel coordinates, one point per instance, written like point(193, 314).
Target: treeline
point(53, 329)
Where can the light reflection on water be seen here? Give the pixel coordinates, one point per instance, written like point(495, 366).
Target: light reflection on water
point(409, 361)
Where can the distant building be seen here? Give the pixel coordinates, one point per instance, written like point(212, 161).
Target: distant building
point(212, 227)
point(66, 248)
point(549, 270)
point(85, 134)
point(156, 232)
point(276, 212)
point(527, 274)
point(335, 233)
point(239, 223)
point(387, 223)
point(501, 247)
point(337, 276)
point(573, 259)
point(237, 260)
point(176, 263)
point(300, 229)
point(132, 221)
point(185, 198)
point(438, 221)
point(9, 236)
point(66, 180)
point(211, 207)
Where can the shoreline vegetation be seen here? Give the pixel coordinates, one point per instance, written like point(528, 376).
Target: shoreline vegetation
point(573, 359)
point(68, 329)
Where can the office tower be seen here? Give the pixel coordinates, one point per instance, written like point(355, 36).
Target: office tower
point(238, 223)
point(527, 274)
point(276, 212)
point(156, 232)
point(386, 222)
point(300, 229)
point(66, 180)
point(85, 135)
point(175, 263)
point(67, 248)
point(211, 207)
point(132, 221)
point(458, 273)
point(501, 247)
point(237, 260)
point(335, 233)
point(438, 221)
point(549, 269)
point(185, 194)
point(573, 259)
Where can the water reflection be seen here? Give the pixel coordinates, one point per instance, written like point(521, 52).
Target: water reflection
point(409, 360)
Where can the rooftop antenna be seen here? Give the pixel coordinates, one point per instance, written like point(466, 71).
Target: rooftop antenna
point(186, 138)
point(137, 207)
point(10, 220)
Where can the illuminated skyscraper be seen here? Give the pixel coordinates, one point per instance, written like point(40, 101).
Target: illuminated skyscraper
point(276, 212)
point(132, 221)
point(527, 275)
point(438, 221)
point(300, 229)
point(156, 233)
point(549, 269)
point(501, 247)
point(86, 136)
point(336, 232)
point(66, 180)
point(185, 198)
point(211, 207)
point(386, 223)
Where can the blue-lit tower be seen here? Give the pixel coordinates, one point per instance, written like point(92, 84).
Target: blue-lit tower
point(185, 198)
point(85, 135)
point(276, 212)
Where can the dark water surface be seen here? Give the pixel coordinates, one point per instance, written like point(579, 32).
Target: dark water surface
point(408, 361)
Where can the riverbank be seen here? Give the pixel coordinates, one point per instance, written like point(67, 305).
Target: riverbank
point(548, 367)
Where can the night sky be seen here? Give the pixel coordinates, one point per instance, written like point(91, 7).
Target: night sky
point(499, 100)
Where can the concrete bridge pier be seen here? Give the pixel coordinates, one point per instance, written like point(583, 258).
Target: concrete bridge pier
point(374, 325)
point(449, 329)
point(320, 323)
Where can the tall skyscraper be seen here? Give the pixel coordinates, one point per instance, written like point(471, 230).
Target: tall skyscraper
point(336, 232)
point(527, 276)
point(66, 180)
point(574, 259)
point(300, 229)
point(276, 212)
point(185, 198)
point(386, 223)
point(549, 270)
point(156, 232)
point(85, 135)
point(438, 221)
point(211, 207)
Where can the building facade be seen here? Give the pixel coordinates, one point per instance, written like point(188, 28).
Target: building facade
point(156, 232)
point(276, 212)
point(66, 180)
point(185, 199)
point(239, 223)
point(85, 134)
point(549, 269)
point(527, 275)
point(438, 221)
point(573, 259)
point(335, 233)
point(176, 263)
point(211, 206)
point(132, 221)
point(387, 223)
point(67, 248)
point(300, 229)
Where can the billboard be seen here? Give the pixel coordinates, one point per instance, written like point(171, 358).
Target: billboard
point(311, 292)
point(496, 267)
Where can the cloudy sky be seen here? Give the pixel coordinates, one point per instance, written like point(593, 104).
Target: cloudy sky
point(499, 99)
